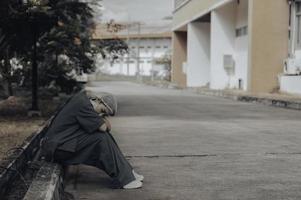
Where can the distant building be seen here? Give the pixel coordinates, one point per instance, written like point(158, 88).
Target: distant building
point(236, 44)
point(145, 47)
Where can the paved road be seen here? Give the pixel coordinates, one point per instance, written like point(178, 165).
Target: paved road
point(192, 147)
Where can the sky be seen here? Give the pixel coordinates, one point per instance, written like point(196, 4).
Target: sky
point(151, 14)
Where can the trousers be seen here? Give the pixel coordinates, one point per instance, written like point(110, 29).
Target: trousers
point(99, 150)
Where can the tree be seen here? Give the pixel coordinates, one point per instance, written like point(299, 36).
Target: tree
point(69, 38)
point(53, 36)
point(18, 29)
point(165, 60)
point(113, 48)
point(58, 27)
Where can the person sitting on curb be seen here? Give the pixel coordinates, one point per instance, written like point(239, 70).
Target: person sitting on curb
point(80, 134)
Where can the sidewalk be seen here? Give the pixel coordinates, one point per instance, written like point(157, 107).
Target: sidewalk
point(191, 147)
point(277, 100)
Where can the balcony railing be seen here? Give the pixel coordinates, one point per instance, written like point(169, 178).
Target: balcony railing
point(179, 3)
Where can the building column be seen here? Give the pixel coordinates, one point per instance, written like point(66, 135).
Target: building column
point(268, 39)
point(198, 54)
point(179, 56)
point(222, 43)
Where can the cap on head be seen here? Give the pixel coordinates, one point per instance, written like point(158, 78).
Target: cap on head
point(108, 100)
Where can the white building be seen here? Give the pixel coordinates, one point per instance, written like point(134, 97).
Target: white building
point(230, 44)
point(223, 39)
point(142, 57)
point(145, 26)
point(217, 48)
point(290, 80)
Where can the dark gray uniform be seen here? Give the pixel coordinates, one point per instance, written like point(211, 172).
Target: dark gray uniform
point(74, 138)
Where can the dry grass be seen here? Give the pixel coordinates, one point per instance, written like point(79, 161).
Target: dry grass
point(15, 126)
point(13, 131)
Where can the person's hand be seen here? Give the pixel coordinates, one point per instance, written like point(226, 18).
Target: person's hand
point(108, 124)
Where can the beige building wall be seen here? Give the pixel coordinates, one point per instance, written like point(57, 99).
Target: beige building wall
point(268, 45)
point(179, 45)
point(194, 9)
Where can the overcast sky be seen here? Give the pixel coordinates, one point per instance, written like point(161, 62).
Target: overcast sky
point(148, 12)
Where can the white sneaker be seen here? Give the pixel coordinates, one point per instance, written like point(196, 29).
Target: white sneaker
point(138, 176)
point(133, 185)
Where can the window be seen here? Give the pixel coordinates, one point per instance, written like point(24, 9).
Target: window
point(242, 31)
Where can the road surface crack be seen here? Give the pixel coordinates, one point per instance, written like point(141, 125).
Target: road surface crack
point(173, 156)
point(213, 155)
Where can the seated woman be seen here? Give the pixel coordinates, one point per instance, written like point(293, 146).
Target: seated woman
point(80, 134)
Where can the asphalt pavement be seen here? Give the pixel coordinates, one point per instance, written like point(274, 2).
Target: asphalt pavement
point(194, 147)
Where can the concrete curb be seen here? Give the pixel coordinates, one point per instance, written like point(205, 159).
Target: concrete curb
point(276, 102)
point(47, 185)
point(269, 101)
point(19, 162)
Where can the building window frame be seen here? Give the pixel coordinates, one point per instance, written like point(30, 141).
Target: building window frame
point(297, 25)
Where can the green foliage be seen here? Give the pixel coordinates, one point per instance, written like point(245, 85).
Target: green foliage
point(165, 60)
point(112, 47)
point(70, 38)
point(60, 27)
point(20, 24)
point(62, 30)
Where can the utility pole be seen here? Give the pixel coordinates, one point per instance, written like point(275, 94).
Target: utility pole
point(128, 42)
point(114, 27)
point(139, 78)
point(153, 60)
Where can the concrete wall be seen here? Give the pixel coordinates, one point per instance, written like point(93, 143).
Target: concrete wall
point(222, 42)
point(268, 32)
point(290, 84)
point(179, 45)
point(198, 54)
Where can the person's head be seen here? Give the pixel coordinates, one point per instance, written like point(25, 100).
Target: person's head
point(103, 103)
point(99, 106)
